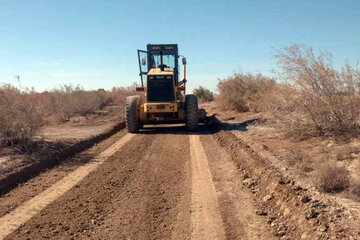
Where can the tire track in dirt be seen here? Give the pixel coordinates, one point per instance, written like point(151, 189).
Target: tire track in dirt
point(27, 210)
point(237, 206)
point(206, 222)
point(155, 202)
point(163, 184)
point(141, 192)
point(44, 180)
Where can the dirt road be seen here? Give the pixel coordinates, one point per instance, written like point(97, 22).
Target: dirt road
point(160, 184)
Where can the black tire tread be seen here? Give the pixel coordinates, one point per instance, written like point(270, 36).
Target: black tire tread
point(191, 112)
point(131, 115)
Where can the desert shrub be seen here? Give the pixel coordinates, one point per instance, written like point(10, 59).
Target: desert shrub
point(203, 94)
point(118, 95)
point(355, 190)
point(23, 112)
point(317, 99)
point(333, 178)
point(21, 116)
point(300, 159)
point(68, 101)
point(244, 92)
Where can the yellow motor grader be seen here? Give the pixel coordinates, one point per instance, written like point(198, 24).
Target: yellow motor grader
point(163, 99)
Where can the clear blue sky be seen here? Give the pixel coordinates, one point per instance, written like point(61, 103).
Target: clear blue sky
point(93, 43)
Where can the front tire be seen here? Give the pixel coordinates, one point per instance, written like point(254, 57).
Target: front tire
point(191, 112)
point(131, 114)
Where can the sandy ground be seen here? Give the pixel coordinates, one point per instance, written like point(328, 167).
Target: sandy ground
point(304, 157)
point(165, 183)
point(56, 138)
point(158, 186)
point(74, 133)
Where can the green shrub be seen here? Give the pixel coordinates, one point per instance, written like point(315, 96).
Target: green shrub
point(203, 94)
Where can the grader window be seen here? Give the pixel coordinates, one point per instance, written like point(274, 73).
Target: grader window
point(167, 59)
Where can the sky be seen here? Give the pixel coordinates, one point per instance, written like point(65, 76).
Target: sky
point(93, 43)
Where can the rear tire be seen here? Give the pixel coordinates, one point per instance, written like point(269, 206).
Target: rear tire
point(131, 114)
point(191, 112)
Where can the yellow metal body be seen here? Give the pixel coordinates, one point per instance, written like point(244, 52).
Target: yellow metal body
point(157, 112)
point(160, 107)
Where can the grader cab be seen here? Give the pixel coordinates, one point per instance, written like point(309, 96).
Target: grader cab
point(163, 99)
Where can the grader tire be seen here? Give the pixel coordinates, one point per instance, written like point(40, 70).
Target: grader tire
point(131, 114)
point(191, 112)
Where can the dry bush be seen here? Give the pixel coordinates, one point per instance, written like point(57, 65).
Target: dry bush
point(333, 178)
point(318, 100)
point(301, 160)
point(355, 191)
point(68, 101)
point(244, 92)
point(23, 112)
point(21, 116)
point(203, 94)
point(118, 95)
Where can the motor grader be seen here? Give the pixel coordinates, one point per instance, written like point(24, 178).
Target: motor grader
point(162, 97)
